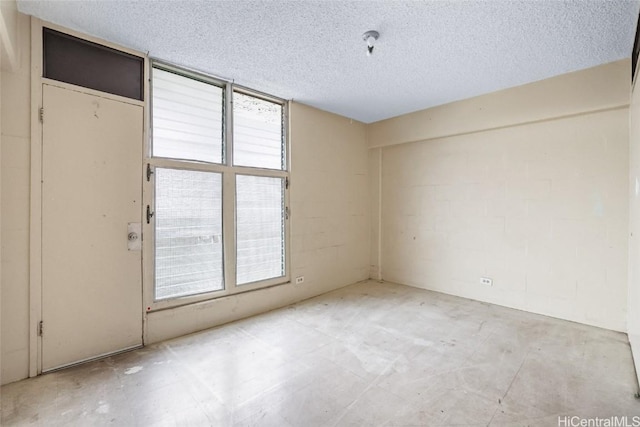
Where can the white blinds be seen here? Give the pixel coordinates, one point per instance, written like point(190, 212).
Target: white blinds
point(188, 232)
point(257, 133)
point(187, 118)
point(260, 228)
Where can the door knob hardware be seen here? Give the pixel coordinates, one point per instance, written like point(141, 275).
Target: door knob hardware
point(134, 236)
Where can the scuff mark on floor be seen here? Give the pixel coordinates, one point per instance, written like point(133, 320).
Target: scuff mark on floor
point(103, 408)
point(133, 370)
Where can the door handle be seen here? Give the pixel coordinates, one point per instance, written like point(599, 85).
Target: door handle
point(134, 231)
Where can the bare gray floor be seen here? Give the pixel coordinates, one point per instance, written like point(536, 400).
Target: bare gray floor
point(368, 354)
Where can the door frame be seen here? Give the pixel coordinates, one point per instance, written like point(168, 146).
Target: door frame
point(35, 220)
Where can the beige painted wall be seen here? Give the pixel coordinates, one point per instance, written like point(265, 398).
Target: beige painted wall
point(541, 207)
point(4, 54)
point(375, 186)
point(14, 217)
point(330, 224)
point(633, 319)
point(593, 89)
point(9, 34)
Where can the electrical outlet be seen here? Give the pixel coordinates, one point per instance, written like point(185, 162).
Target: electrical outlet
point(486, 281)
point(299, 279)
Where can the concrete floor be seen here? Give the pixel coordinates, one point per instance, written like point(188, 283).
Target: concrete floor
point(368, 354)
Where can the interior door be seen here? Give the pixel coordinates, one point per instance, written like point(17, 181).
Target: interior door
point(91, 191)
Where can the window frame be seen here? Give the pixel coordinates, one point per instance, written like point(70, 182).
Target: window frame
point(244, 91)
point(285, 220)
point(228, 172)
point(155, 298)
point(200, 78)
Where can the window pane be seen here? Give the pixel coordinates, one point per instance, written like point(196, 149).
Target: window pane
point(257, 132)
point(80, 62)
point(187, 118)
point(188, 232)
point(260, 228)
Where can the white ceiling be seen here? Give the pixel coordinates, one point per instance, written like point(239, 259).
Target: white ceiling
point(429, 52)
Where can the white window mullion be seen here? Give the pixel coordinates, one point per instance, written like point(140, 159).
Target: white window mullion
point(229, 197)
point(148, 239)
point(228, 229)
point(186, 164)
point(287, 203)
point(228, 124)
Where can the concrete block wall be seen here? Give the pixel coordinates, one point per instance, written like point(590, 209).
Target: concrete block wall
point(330, 216)
point(526, 186)
point(541, 209)
point(15, 143)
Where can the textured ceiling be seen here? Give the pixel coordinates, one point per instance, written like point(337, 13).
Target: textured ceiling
point(429, 52)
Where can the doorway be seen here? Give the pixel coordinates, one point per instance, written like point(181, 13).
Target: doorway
point(91, 193)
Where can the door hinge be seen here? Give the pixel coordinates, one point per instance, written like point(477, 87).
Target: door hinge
point(286, 183)
point(287, 214)
point(149, 214)
point(40, 328)
point(149, 172)
point(41, 114)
